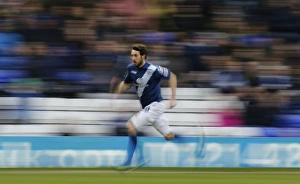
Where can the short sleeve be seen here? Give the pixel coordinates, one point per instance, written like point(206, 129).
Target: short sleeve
point(127, 78)
point(164, 72)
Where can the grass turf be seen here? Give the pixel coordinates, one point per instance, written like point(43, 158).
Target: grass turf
point(151, 176)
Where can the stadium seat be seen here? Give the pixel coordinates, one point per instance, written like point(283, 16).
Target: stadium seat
point(13, 62)
point(275, 81)
point(7, 76)
point(8, 41)
point(74, 76)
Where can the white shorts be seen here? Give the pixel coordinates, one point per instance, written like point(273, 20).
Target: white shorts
point(152, 114)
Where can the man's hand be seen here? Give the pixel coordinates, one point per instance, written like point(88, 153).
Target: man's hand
point(173, 86)
point(173, 103)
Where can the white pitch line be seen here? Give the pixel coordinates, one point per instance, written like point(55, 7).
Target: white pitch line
point(145, 172)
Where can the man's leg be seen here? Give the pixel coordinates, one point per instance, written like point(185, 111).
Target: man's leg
point(134, 125)
point(132, 142)
point(139, 148)
point(162, 126)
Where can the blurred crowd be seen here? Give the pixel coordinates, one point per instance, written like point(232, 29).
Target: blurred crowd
point(246, 48)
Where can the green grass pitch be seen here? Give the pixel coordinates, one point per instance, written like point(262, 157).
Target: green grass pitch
point(150, 176)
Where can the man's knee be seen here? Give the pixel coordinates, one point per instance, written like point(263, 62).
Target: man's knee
point(170, 136)
point(131, 130)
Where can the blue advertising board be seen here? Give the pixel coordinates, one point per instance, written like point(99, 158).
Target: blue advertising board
point(106, 151)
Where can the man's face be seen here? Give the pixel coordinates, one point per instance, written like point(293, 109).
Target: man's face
point(136, 58)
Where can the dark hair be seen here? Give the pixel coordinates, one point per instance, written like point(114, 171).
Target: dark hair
point(142, 48)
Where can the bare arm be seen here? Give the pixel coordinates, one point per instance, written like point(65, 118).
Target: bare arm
point(119, 90)
point(173, 86)
point(114, 82)
point(123, 87)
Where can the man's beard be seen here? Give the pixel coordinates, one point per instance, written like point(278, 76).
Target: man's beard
point(139, 63)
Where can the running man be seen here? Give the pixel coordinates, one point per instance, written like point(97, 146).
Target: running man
point(146, 78)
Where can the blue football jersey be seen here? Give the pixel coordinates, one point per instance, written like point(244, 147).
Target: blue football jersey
point(147, 81)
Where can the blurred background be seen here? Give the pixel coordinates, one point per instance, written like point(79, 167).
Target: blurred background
point(237, 64)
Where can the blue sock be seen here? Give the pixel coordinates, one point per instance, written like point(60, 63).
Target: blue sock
point(132, 141)
point(140, 151)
